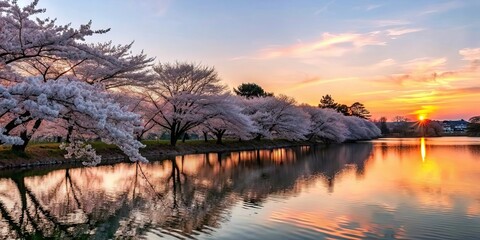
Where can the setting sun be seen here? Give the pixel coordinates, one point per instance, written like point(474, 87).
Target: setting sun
point(421, 117)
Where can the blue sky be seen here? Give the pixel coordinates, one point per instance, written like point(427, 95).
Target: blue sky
point(397, 57)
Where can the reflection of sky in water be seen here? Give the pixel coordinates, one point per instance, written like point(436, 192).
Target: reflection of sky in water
point(391, 188)
point(403, 194)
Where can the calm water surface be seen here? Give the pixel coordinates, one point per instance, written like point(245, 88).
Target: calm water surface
point(385, 189)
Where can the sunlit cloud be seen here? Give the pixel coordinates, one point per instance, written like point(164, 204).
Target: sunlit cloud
point(422, 70)
point(313, 81)
point(373, 92)
point(334, 45)
point(470, 54)
point(427, 86)
point(329, 45)
point(425, 110)
point(384, 63)
point(425, 64)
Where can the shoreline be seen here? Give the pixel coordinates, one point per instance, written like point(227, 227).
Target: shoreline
point(153, 152)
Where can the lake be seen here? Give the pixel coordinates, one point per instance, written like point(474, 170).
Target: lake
point(383, 189)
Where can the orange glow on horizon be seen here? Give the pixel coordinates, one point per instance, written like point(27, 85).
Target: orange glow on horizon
point(421, 117)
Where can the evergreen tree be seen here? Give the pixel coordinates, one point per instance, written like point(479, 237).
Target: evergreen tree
point(251, 90)
point(328, 102)
point(358, 110)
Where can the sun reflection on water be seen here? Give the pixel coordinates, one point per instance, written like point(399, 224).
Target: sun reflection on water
point(423, 150)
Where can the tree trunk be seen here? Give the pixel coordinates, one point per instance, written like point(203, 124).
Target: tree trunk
point(184, 137)
point(26, 137)
point(173, 139)
point(205, 136)
point(13, 123)
point(219, 136)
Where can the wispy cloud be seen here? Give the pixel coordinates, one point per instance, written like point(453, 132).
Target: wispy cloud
point(384, 63)
point(313, 81)
point(373, 6)
point(332, 44)
point(441, 7)
point(402, 31)
point(324, 7)
point(425, 64)
point(381, 23)
point(373, 92)
point(329, 45)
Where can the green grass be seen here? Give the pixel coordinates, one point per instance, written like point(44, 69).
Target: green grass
point(41, 151)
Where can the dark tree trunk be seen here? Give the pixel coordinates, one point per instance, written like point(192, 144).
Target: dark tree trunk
point(173, 138)
point(205, 136)
point(13, 123)
point(26, 137)
point(184, 137)
point(219, 136)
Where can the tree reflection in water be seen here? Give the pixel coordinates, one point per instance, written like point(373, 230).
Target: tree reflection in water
point(178, 197)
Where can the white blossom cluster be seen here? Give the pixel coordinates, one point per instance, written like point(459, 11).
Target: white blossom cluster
point(227, 118)
point(278, 117)
point(80, 150)
point(86, 107)
point(326, 124)
point(5, 139)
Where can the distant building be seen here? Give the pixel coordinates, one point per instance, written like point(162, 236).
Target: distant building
point(452, 127)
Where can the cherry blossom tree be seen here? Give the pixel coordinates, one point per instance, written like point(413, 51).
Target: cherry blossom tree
point(87, 108)
point(31, 46)
point(326, 124)
point(361, 129)
point(140, 103)
point(372, 130)
point(184, 95)
point(278, 117)
point(228, 119)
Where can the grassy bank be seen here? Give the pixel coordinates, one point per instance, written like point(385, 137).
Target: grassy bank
point(38, 154)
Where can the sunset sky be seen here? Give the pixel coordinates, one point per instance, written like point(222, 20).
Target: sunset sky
point(397, 57)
